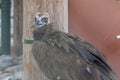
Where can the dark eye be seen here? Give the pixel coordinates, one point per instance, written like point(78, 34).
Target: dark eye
point(45, 19)
point(37, 20)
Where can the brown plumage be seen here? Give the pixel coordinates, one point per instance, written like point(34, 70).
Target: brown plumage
point(62, 56)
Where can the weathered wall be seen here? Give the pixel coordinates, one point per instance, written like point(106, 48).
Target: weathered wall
point(98, 21)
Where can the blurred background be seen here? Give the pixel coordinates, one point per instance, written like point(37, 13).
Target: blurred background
point(98, 22)
point(11, 20)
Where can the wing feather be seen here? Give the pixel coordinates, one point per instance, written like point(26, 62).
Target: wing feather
point(70, 58)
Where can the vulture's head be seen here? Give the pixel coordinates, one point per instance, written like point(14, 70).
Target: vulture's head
point(41, 23)
point(41, 20)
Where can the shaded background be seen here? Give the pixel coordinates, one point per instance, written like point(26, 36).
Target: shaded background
point(98, 22)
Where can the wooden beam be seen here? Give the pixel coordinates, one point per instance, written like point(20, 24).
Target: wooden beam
point(58, 11)
point(18, 28)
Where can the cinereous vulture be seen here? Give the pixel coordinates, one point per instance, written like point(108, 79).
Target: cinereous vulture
point(63, 56)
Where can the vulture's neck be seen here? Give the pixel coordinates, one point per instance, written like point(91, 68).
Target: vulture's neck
point(41, 33)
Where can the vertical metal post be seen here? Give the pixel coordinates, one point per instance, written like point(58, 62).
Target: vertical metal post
point(5, 26)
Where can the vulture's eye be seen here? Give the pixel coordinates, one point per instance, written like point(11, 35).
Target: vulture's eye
point(37, 20)
point(45, 19)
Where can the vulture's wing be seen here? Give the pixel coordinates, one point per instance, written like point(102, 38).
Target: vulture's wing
point(66, 57)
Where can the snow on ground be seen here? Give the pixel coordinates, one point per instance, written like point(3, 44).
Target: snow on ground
point(10, 69)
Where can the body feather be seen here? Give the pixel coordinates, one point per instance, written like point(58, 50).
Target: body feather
point(62, 56)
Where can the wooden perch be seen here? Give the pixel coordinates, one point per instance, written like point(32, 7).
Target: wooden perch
point(18, 28)
point(58, 11)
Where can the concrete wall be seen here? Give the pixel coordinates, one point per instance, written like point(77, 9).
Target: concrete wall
point(98, 21)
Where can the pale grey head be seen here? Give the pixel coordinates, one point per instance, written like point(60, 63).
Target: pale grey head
point(41, 20)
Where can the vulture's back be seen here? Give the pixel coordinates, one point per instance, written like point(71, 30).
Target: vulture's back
point(63, 56)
